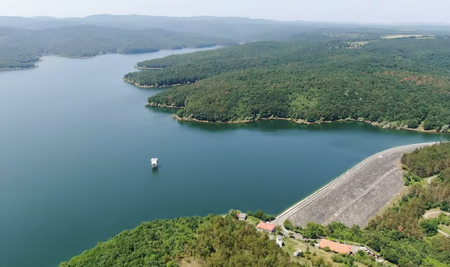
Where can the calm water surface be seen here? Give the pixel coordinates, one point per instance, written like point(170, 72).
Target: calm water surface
point(75, 149)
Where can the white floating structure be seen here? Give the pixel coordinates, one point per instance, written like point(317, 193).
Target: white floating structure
point(154, 162)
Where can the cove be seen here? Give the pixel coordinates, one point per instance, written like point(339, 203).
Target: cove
point(75, 149)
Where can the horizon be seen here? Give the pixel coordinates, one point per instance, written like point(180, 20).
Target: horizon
point(341, 11)
point(412, 23)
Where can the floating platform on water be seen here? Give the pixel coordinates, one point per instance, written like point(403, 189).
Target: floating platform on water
point(154, 162)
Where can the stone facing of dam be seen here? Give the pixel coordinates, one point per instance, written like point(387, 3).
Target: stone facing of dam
point(356, 196)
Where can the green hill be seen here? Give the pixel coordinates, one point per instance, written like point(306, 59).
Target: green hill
point(20, 48)
point(212, 241)
point(398, 82)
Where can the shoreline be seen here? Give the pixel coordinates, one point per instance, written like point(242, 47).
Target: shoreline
point(145, 68)
point(14, 69)
point(102, 54)
point(138, 85)
point(299, 121)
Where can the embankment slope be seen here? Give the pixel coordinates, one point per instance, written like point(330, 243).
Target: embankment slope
point(357, 195)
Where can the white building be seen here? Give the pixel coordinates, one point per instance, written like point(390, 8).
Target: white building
point(279, 241)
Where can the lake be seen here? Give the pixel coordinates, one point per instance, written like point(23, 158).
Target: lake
point(75, 149)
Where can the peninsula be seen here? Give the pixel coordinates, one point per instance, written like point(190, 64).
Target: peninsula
point(394, 83)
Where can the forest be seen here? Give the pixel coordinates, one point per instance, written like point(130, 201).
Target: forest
point(21, 48)
point(429, 161)
point(399, 83)
point(211, 241)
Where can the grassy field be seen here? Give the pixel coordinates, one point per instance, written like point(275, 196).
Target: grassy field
point(445, 228)
point(292, 245)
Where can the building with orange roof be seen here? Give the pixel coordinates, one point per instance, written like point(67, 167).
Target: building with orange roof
point(268, 227)
point(335, 246)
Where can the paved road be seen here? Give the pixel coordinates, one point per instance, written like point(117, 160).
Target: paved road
point(428, 214)
point(372, 166)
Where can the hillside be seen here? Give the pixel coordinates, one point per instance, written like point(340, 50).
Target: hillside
point(401, 83)
point(20, 48)
point(209, 241)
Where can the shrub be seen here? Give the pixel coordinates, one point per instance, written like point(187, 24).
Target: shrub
point(430, 226)
point(288, 225)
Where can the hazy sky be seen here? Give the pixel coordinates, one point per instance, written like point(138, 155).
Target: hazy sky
point(384, 11)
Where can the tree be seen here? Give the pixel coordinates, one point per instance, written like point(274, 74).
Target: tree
point(259, 214)
point(313, 230)
point(288, 225)
point(430, 226)
point(445, 206)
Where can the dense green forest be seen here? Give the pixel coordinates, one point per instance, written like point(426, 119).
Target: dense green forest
point(429, 161)
point(211, 241)
point(401, 83)
point(21, 48)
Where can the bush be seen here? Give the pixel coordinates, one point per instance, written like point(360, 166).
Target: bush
point(412, 123)
point(288, 225)
point(411, 178)
point(262, 216)
point(445, 206)
point(313, 230)
point(430, 226)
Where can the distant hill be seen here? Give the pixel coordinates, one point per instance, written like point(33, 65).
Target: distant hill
point(20, 48)
point(234, 28)
point(23, 40)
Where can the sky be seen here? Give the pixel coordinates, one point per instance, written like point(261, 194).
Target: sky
point(365, 11)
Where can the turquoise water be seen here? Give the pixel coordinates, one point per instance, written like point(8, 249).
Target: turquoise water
point(75, 149)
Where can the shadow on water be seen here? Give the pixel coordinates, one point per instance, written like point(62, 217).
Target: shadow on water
point(282, 125)
point(168, 111)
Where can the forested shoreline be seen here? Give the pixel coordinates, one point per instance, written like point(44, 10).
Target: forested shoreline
point(395, 83)
point(22, 48)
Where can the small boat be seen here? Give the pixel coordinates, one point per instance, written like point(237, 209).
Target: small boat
point(154, 162)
